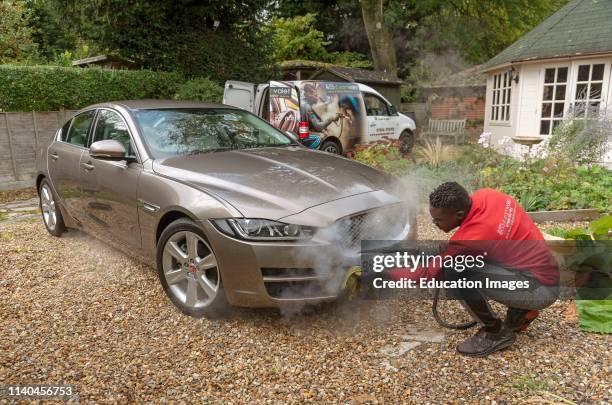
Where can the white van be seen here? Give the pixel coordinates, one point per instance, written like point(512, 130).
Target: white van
point(331, 116)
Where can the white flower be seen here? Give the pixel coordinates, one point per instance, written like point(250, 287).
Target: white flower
point(484, 139)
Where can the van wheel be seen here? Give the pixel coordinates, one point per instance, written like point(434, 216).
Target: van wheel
point(406, 142)
point(188, 270)
point(331, 147)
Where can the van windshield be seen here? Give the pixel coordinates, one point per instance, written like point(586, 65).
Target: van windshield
point(170, 132)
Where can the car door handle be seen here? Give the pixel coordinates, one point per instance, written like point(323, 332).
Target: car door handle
point(53, 156)
point(88, 166)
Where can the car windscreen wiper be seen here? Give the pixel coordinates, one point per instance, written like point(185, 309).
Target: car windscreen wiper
point(201, 152)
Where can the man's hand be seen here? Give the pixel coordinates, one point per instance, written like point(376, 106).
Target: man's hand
point(337, 117)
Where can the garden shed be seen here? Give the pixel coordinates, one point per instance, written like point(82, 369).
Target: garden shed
point(560, 68)
point(385, 83)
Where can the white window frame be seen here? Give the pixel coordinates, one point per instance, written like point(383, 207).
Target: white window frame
point(568, 90)
point(501, 97)
point(603, 102)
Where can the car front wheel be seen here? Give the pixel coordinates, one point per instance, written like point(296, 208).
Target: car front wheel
point(188, 270)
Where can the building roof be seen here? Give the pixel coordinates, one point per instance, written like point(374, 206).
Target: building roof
point(347, 73)
point(581, 27)
point(103, 59)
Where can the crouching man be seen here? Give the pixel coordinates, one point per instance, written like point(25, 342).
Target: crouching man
point(518, 271)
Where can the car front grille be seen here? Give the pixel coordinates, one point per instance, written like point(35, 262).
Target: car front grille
point(379, 224)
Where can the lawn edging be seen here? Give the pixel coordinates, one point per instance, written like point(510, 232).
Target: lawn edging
point(585, 214)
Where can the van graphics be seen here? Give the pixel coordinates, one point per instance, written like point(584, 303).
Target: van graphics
point(284, 106)
point(333, 111)
point(284, 92)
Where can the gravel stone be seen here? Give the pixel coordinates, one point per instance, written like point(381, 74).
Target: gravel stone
point(75, 311)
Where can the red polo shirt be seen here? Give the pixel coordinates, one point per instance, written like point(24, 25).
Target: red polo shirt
point(505, 232)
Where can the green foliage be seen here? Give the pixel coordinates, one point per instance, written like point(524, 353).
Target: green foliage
point(202, 89)
point(552, 183)
point(434, 153)
point(16, 44)
point(462, 26)
point(48, 88)
point(351, 59)
point(50, 32)
point(220, 40)
point(383, 156)
point(297, 38)
point(599, 229)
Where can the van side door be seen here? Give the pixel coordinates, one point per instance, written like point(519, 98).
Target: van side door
point(380, 122)
point(240, 94)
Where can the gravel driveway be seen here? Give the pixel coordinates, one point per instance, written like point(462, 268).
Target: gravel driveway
point(76, 311)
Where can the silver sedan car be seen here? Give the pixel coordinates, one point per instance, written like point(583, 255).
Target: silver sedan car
point(229, 210)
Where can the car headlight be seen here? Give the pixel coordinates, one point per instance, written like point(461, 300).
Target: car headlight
point(262, 229)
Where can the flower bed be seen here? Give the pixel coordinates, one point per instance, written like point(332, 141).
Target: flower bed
point(538, 181)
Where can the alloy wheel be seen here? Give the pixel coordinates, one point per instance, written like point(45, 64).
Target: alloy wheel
point(190, 269)
point(47, 206)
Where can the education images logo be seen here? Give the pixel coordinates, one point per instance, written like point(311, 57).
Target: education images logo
point(459, 263)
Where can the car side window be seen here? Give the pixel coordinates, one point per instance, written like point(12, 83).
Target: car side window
point(375, 106)
point(64, 132)
point(77, 135)
point(110, 125)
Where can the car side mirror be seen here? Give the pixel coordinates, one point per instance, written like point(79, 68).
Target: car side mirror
point(392, 110)
point(108, 149)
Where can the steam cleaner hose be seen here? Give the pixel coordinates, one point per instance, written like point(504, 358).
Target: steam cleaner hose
point(441, 321)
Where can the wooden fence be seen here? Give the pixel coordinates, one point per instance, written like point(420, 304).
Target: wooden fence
point(21, 135)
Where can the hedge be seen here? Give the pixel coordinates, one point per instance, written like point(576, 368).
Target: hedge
point(49, 88)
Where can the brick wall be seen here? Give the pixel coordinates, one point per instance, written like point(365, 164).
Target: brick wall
point(471, 108)
point(21, 134)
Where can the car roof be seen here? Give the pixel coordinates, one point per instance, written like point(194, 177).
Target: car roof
point(158, 104)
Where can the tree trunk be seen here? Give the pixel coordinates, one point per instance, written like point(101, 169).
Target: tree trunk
point(379, 36)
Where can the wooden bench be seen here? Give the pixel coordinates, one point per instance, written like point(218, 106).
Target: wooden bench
point(451, 128)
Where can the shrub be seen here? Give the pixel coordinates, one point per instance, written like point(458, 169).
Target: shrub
point(201, 89)
point(434, 153)
point(582, 141)
point(382, 155)
point(48, 88)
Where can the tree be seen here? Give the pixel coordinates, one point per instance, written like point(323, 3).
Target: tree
point(297, 38)
point(197, 38)
point(379, 37)
point(450, 33)
point(49, 32)
point(16, 44)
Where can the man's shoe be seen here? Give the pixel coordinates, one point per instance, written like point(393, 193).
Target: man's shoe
point(484, 343)
point(519, 319)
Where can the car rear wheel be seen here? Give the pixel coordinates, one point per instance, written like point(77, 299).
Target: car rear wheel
point(188, 270)
point(52, 216)
point(406, 142)
point(331, 147)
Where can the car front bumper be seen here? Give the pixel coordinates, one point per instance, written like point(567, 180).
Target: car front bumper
point(278, 274)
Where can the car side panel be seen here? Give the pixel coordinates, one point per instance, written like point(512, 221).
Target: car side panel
point(111, 211)
point(63, 166)
point(158, 195)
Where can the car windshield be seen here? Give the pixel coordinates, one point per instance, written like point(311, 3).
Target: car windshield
point(169, 132)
